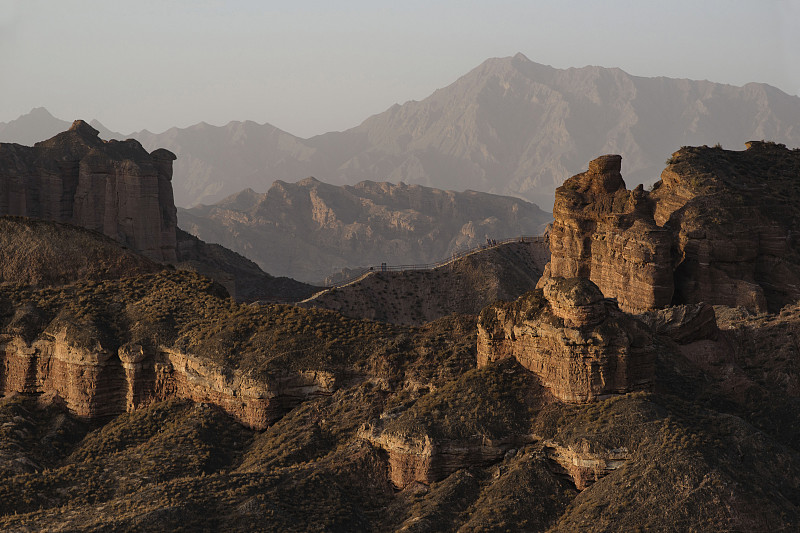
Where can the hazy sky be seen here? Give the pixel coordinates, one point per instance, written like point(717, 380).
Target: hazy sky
point(310, 67)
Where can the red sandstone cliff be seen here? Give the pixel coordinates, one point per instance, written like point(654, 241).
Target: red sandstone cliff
point(579, 344)
point(114, 187)
point(717, 228)
point(94, 382)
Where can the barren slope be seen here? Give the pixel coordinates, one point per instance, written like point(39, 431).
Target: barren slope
point(466, 285)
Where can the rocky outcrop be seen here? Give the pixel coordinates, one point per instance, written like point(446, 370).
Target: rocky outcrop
point(717, 228)
point(113, 187)
point(579, 344)
point(97, 383)
point(421, 459)
point(582, 464)
point(607, 234)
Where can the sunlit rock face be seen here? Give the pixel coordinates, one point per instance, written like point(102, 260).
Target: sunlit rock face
point(97, 383)
point(579, 344)
point(717, 228)
point(113, 187)
point(607, 234)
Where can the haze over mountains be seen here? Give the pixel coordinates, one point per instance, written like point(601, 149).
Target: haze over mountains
point(309, 230)
point(509, 126)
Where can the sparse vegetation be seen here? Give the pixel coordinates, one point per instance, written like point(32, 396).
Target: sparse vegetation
point(714, 447)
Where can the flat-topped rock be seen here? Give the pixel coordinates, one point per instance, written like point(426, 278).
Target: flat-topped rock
point(114, 187)
point(717, 228)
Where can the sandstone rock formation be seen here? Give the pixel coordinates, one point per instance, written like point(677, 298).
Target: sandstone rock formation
point(421, 459)
point(605, 233)
point(97, 383)
point(713, 447)
point(309, 230)
point(579, 344)
point(108, 361)
point(113, 187)
point(717, 228)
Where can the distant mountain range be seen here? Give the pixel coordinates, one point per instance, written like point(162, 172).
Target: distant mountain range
point(308, 230)
point(509, 126)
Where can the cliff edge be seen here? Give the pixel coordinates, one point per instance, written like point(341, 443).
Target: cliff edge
point(114, 187)
point(717, 228)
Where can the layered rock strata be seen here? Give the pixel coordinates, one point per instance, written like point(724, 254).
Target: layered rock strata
point(579, 344)
point(95, 382)
point(717, 228)
point(607, 234)
point(583, 465)
point(114, 187)
point(422, 459)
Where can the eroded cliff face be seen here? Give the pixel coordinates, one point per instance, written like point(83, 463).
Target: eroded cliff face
point(579, 344)
point(607, 234)
point(97, 383)
point(114, 346)
point(717, 228)
point(423, 459)
point(113, 187)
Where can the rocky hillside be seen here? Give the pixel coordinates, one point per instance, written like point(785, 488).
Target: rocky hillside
point(242, 278)
point(309, 229)
point(510, 126)
point(207, 414)
point(43, 253)
point(466, 285)
point(136, 396)
point(719, 227)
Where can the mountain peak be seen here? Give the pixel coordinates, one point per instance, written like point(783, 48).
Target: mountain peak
point(83, 129)
point(309, 182)
point(40, 112)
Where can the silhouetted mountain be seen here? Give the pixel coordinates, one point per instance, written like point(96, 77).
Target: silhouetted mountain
point(509, 126)
point(32, 127)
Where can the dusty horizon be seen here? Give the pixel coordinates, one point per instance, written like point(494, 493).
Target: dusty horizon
point(310, 68)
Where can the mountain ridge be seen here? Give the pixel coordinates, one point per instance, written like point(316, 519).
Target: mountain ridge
point(509, 126)
point(320, 228)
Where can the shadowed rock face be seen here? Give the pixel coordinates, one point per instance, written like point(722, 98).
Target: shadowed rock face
point(717, 228)
point(114, 187)
point(579, 344)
